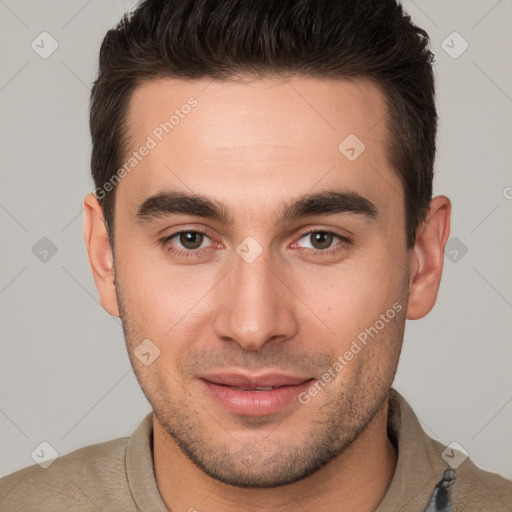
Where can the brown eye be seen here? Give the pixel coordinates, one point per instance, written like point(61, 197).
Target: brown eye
point(188, 243)
point(321, 239)
point(191, 239)
point(322, 242)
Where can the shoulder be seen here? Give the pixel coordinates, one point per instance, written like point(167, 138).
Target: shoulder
point(472, 488)
point(431, 472)
point(477, 489)
point(90, 478)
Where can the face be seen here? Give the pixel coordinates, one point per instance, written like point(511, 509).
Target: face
point(263, 254)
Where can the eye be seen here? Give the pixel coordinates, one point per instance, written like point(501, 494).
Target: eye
point(190, 243)
point(321, 241)
point(186, 243)
point(190, 239)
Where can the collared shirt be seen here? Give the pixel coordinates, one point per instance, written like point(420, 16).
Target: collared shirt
point(119, 476)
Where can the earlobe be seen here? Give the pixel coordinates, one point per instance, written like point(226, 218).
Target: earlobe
point(100, 254)
point(427, 258)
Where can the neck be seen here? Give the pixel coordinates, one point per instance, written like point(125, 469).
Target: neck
point(355, 480)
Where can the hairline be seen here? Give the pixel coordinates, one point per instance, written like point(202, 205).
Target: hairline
point(125, 136)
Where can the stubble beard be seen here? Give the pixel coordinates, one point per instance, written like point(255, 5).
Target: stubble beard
point(343, 415)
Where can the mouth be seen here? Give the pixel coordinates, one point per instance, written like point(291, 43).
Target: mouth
point(254, 395)
point(254, 389)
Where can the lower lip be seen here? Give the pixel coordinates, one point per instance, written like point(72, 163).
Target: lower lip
point(255, 403)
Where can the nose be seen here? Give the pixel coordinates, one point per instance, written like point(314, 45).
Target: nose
point(254, 304)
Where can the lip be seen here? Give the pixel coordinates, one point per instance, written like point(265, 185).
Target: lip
point(236, 391)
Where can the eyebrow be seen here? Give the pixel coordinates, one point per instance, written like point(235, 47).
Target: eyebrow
point(329, 202)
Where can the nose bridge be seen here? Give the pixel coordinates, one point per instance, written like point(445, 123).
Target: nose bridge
point(254, 303)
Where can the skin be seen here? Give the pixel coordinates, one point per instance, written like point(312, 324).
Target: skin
point(255, 145)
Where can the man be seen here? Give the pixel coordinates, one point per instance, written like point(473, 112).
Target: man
point(263, 224)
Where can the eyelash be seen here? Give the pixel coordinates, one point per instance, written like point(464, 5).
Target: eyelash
point(194, 253)
point(183, 252)
point(343, 242)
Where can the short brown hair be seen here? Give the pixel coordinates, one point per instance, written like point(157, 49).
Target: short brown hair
point(222, 39)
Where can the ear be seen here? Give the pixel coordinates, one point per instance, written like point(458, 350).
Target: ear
point(100, 254)
point(427, 258)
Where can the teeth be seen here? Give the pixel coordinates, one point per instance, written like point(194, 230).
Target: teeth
point(254, 389)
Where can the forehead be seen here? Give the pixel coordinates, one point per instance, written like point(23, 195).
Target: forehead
point(275, 136)
point(265, 110)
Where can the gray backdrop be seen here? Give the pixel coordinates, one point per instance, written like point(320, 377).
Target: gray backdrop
point(65, 378)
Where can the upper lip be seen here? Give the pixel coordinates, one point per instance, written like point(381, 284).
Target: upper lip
point(252, 381)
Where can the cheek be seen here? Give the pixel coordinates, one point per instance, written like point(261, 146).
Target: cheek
point(162, 302)
point(350, 298)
